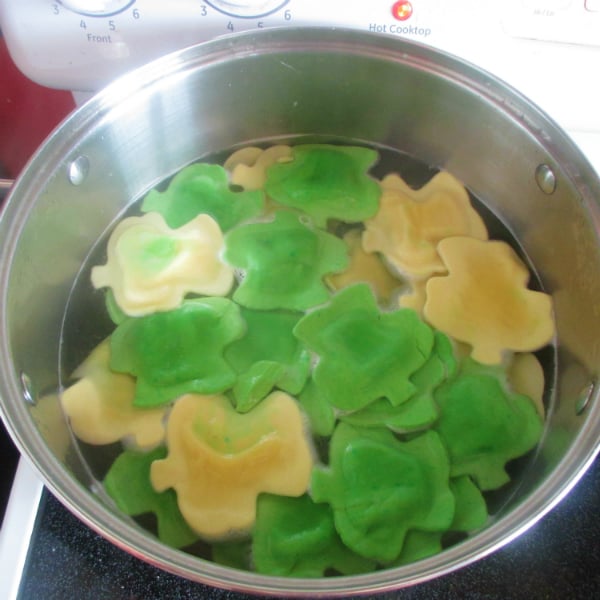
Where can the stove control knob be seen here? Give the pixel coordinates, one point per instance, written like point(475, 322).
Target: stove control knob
point(96, 8)
point(251, 8)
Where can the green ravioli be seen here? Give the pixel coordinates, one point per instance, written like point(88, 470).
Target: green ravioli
point(484, 425)
point(179, 351)
point(267, 356)
point(420, 410)
point(326, 182)
point(380, 487)
point(128, 484)
point(203, 189)
point(364, 354)
point(295, 537)
point(284, 262)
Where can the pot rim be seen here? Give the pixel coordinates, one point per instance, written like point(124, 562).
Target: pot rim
point(50, 157)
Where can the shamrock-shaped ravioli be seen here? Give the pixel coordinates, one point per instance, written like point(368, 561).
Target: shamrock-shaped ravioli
point(151, 267)
point(410, 223)
point(484, 424)
point(128, 484)
point(484, 300)
point(284, 261)
point(219, 461)
point(249, 165)
point(296, 537)
point(179, 351)
point(526, 376)
point(380, 487)
point(470, 514)
point(326, 182)
point(420, 410)
point(364, 354)
point(100, 405)
point(269, 355)
point(471, 510)
point(203, 189)
point(365, 267)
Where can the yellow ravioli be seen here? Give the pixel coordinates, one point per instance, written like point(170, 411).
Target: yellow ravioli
point(151, 267)
point(100, 405)
point(416, 297)
point(410, 223)
point(248, 166)
point(219, 460)
point(366, 268)
point(526, 376)
point(484, 300)
point(244, 156)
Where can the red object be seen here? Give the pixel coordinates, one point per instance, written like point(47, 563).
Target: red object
point(402, 10)
point(28, 113)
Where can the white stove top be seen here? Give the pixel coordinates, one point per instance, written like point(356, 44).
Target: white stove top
point(547, 49)
point(17, 527)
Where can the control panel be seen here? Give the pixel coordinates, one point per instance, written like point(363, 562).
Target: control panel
point(102, 8)
point(83, 44)
point(548, 49)
point(564, 21)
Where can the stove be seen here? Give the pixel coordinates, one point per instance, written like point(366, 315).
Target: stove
point(547, 49)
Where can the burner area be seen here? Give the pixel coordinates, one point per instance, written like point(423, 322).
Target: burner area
point(8, 466)
point(557, 558)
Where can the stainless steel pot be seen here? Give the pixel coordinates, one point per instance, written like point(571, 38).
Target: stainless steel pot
point(282, 84)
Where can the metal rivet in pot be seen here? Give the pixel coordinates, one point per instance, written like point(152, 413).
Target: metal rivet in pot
point(78, 170)
point(28, 392)
point(546, 179)
point(584, 397)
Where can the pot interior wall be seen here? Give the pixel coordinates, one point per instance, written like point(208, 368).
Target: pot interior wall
point(450, 116)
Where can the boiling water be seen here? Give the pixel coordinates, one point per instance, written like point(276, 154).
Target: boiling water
point(86, 322)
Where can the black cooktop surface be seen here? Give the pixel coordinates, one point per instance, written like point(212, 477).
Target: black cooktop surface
point(558, 558)
point(9, 457)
